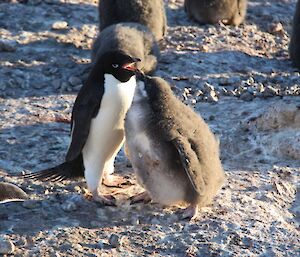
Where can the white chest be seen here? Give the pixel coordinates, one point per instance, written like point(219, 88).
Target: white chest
point(115, 102)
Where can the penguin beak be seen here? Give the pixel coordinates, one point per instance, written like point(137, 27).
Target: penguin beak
point(131, 65)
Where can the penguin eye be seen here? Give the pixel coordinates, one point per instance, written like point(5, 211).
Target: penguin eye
point(114, 65)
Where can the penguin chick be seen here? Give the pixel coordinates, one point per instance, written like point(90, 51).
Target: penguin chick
point(213, 11)
point(10, 192)
point(97, 123)
point(150, 13)
point(172, 150)
point(133, 39)
point(294, 47)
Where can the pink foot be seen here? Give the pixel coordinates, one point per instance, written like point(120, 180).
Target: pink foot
point(189, 213)
point(141, 197)
point(108, 200)
point(114, 181)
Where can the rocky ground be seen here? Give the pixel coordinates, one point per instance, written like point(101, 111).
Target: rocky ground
point(239, 79)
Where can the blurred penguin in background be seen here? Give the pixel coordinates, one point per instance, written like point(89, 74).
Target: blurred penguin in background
point(150, 13)
point(294, 48)
point(229, 12)
point(131, 38)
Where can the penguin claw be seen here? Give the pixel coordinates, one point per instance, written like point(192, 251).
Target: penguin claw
point(107, 200)
point(141, 197)
point(190, 213)
point(114, 181)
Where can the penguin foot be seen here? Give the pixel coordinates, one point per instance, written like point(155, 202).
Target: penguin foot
point(190, 213)
point(141, 197)
point(114, 181)
point(108, 200)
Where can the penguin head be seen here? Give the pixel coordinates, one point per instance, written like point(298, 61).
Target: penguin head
point(122, 66)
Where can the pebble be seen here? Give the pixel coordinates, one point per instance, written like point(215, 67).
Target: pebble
point(247, 96)
point(59, 25)
point(6, 246)
point(34, 2)
point(55, 84)
point(276, 28)
point(75, 81)
point(8, 45)
point(115, 240)
point(52, 1)
point(212, 96)
point(2, 85)
point(270, 91)
point(69, 206)
point(31, 204)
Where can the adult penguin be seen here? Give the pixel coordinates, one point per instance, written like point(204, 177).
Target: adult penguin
point(97, 124)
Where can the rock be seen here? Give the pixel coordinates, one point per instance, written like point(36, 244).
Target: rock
point(2, 85)
point(34, 2)
point(212, 97)
point(31, 204)
point(52, 1)
point(276, 28)
point(115, 240)
point(270, 91)
point(6, 246)
point(69, 206)
point(75, 81)
point(247, 96)
point(64, 85)
point(56, 84)
point(8, 45)
point(59, 25)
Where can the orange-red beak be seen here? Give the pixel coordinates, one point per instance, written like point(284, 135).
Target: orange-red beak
point(132, 65)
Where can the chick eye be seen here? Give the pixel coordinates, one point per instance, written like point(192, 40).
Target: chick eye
point(114, 65)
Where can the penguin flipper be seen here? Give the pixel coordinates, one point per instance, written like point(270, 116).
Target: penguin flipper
point(60, 172)
point(190, 162)
point(85, 108)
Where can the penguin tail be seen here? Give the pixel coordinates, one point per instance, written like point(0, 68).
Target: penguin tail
point(66, 170)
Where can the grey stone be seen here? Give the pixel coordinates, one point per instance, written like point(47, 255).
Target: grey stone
point(31, 204)
point(8, 45)
point(59, 25)
point(69, 206)
point(247, 96)
point(75, 81)
point(6, 246)
point(115, 240)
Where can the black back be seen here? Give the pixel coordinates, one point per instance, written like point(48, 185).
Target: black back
point(88, 100)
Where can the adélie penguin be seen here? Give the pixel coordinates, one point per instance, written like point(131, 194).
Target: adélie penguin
point(133, 39)
point(150, 13)
point(10, 192)
point(172, 150)
point(213, 11)
point(97, 123)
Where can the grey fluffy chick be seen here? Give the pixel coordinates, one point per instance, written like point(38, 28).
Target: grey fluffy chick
point(212, 11)
point(10, 192)
point(172, 150)
point(133, 39)
point(294, 47)
point(150, 13)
